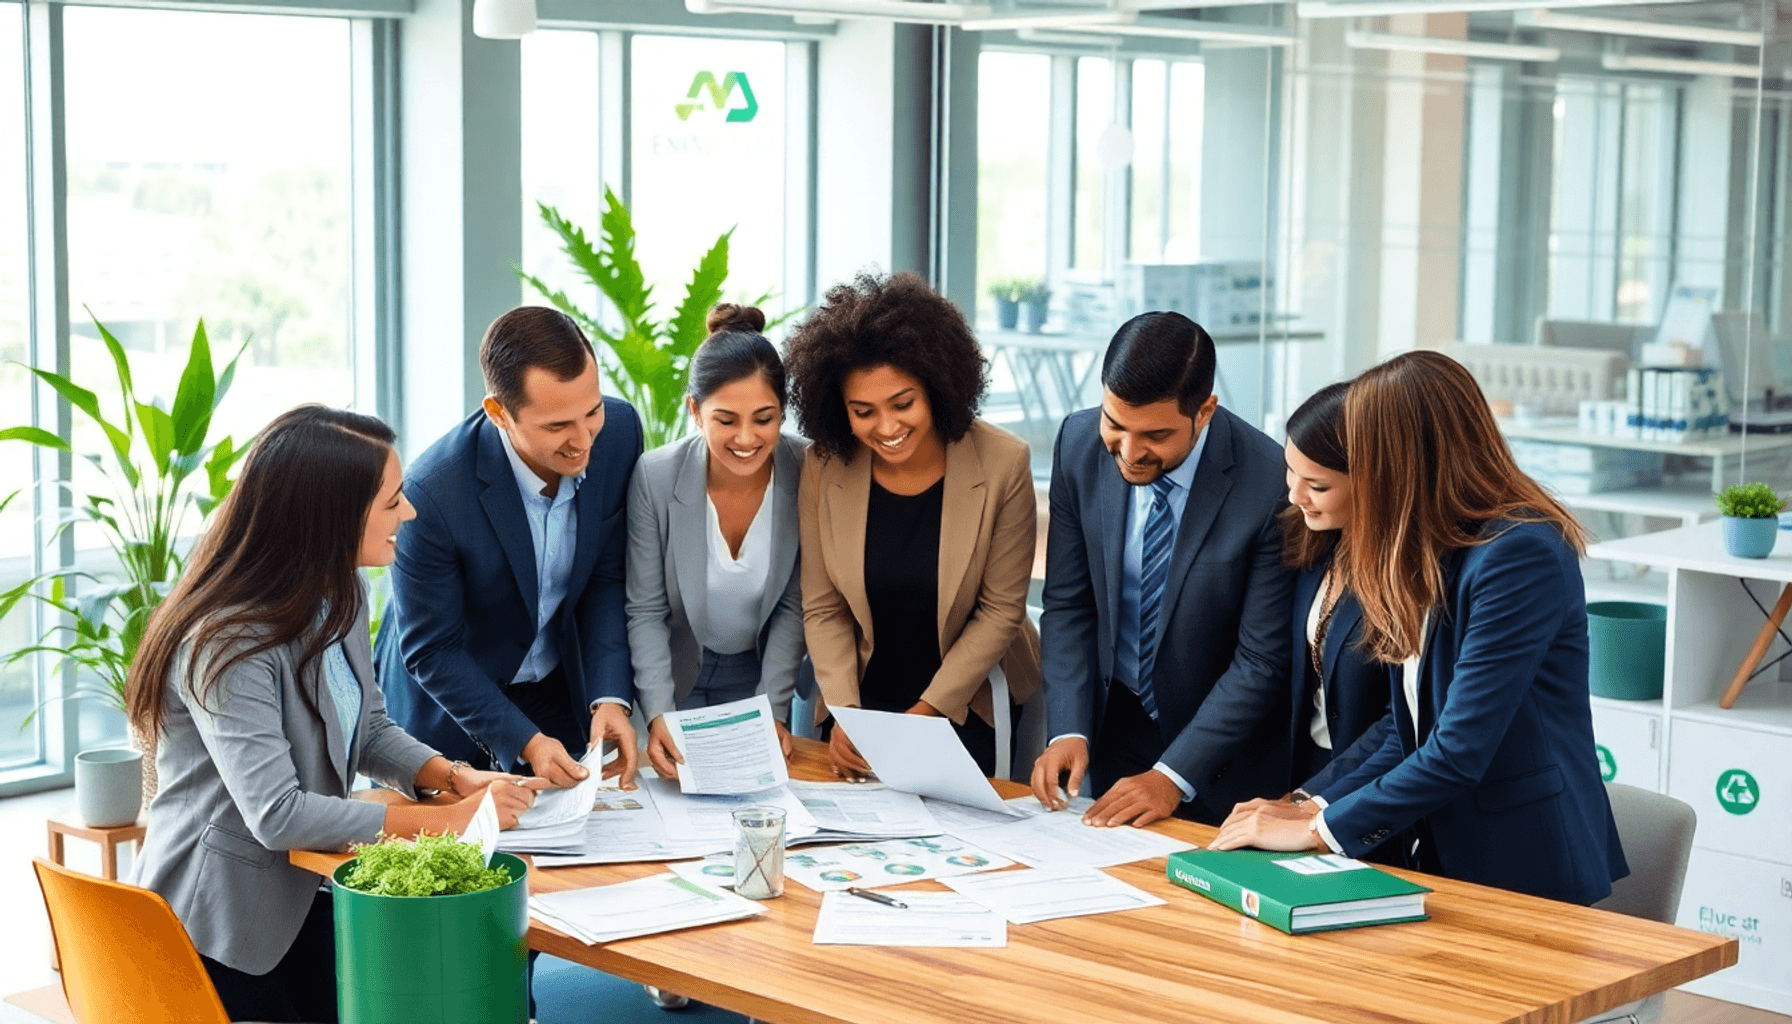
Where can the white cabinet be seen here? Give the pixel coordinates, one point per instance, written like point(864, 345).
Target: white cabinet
point(1732, 765)
point(1749, 900)
point(1629, 743)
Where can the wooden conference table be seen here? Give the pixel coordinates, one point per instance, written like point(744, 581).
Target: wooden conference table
point(1485, 955)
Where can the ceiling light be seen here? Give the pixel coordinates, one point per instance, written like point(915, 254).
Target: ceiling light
point(1641, 29)
point(1049, 19)
point(503, 19)
point(1678, 66)
point(1380, 8)
point(1039, 35)
point(915, 11)
point(1452, 47)
point(1218, 31)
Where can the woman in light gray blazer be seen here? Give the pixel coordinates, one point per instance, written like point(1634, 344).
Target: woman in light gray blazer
point(255, 677)
point(715, 612)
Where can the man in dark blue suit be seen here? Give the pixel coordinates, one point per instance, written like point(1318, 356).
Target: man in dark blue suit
point(505, 643)
point(1165, 634)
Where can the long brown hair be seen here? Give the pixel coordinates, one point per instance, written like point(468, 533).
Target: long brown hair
point(1317, 430)
point(1429, 469)
point(280, 553)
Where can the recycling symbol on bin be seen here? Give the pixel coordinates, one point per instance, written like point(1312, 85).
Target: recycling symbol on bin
point(1608, 765)
point(1737, 791)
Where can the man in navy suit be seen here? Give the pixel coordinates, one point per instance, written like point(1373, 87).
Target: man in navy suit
point(506, 643)
point(1165, 634)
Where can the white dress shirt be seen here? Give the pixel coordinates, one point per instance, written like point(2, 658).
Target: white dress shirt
point(736, 583)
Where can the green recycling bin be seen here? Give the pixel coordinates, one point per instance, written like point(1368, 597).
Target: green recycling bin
point(1628, 647)
point(434, 959)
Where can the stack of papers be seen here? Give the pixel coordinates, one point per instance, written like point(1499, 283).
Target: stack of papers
point(1060, 839)
point(624, 827)
point(645, 906)
point(1043, 894)
point(929, 919)
point(555, 823)
point(848, 810)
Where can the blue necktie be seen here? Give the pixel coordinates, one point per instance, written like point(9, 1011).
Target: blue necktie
point(1154, 570)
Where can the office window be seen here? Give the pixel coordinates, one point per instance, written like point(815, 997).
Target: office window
point(1188, 87)
point(209, 175)
point(1094, 113)
point(708, 123)
point(18, 685)
point(1166, 161)
point(1013, 127)
point(562, 132)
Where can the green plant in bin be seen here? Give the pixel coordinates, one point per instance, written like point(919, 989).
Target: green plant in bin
point(158, 466)
point(1750, 501)
point(1035, 291)
point(427, 866)
point(1007, 289)
point(652, 356)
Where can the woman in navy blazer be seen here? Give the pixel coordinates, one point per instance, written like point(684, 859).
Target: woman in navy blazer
point(715, 608)
point(1339, 693)
point(1469, 579)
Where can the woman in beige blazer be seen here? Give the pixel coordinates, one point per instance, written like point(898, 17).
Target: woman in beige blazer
point(917, 518)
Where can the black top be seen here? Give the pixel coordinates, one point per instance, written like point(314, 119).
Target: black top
point(902, 584)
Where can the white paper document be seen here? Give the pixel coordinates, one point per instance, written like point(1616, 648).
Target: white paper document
point(893, 862)
point(483, 829)
point(867, 810)
point(930, 919)
point(957, 819)
point(644, 906)
point(920, 754)
point(1042, 894)
point(624, 827)
point(709, 820)
point(1060, 839)
point(558, 806)
point(728, 748)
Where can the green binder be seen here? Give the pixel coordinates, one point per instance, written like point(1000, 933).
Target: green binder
point(1299, 892)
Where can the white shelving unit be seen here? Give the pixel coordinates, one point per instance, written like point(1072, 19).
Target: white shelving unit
point(1733, 766)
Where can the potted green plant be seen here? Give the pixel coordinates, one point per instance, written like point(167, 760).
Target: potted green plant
point(474, 969)
point(652, 357)
point(1036, 296)
point(157, 468)
point(1006, 292)
point(1751, 519)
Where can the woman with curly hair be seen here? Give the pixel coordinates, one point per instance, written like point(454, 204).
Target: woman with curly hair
point(918, 518)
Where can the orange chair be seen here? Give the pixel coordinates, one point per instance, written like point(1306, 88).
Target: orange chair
point(125, 957)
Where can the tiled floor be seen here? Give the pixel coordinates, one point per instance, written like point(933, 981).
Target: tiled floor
point(28, 964)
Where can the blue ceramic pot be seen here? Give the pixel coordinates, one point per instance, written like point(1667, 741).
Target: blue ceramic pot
point(1750, 538)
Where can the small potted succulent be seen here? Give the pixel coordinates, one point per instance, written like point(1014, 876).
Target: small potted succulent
point(1751, 519)
point(1036, 296)
point(473, 968)
point(1006, 292)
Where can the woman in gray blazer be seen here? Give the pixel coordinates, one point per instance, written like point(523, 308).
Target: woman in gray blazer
point(715, 612)
point(255, 678)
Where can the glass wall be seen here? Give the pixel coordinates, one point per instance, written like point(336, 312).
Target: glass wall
point(561, 160)
point(1014, 92)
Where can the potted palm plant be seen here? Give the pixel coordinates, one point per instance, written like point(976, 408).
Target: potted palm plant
point(1751, 519)
point(651, 358)
point(159, 476)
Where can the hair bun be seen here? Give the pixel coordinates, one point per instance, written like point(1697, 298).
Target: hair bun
point(730, 317)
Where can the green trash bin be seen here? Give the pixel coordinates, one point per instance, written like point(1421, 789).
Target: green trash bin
point(1628, 642)
point(434, 959)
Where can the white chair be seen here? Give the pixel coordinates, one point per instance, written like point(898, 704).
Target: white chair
point(1656, 831)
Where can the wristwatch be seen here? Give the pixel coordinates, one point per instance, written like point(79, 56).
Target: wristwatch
point(454, 768)
point(1299, 796)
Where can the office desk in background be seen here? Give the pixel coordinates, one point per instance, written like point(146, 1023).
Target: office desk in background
point(1485, 956)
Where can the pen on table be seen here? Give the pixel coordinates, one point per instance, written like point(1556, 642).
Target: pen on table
point(877, 897)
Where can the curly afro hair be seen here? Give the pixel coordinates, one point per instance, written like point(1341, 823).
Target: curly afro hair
point(896, 321)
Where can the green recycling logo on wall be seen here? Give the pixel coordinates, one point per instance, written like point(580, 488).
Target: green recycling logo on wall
point(1737, 791)
point(1608, 765)
point(719, 94)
